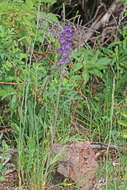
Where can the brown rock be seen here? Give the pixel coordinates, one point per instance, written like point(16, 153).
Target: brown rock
point(79, 163)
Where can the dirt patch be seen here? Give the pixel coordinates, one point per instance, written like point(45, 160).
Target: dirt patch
point(10, 182)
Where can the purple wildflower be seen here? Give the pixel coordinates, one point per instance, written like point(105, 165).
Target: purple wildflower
point(62, 40)
point(65, 45)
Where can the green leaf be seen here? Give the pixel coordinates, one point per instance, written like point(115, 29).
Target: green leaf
point(50, 1)
point(13, 103)
point(77, 66)
point(102, 62)
point(125, 136)
point(124, 123)
point(2, 178)
point(6, 91)
point(76, 77)
point(123, 133)
point(52, 17)
point(21, 114)
point(124, 114)
point(86, 76)
point(29, 3)
point(15, 127)
point(97, 73)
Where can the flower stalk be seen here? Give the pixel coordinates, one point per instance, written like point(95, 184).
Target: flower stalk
point(63, 51)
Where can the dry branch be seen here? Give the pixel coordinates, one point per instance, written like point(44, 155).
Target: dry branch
point(102, 22)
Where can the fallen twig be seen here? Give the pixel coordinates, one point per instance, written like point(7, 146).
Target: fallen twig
point(96, 145)
point(97, 24)
point(15, 83)
point(102, 146)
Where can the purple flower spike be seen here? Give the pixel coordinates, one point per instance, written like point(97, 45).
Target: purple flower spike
point(65, 44)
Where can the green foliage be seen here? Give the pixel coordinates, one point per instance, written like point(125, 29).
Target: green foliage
point(18, 18)
point(88, 62)
point(18, 30)
point(29, 116)
point(117, 52)
point(123, 122)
